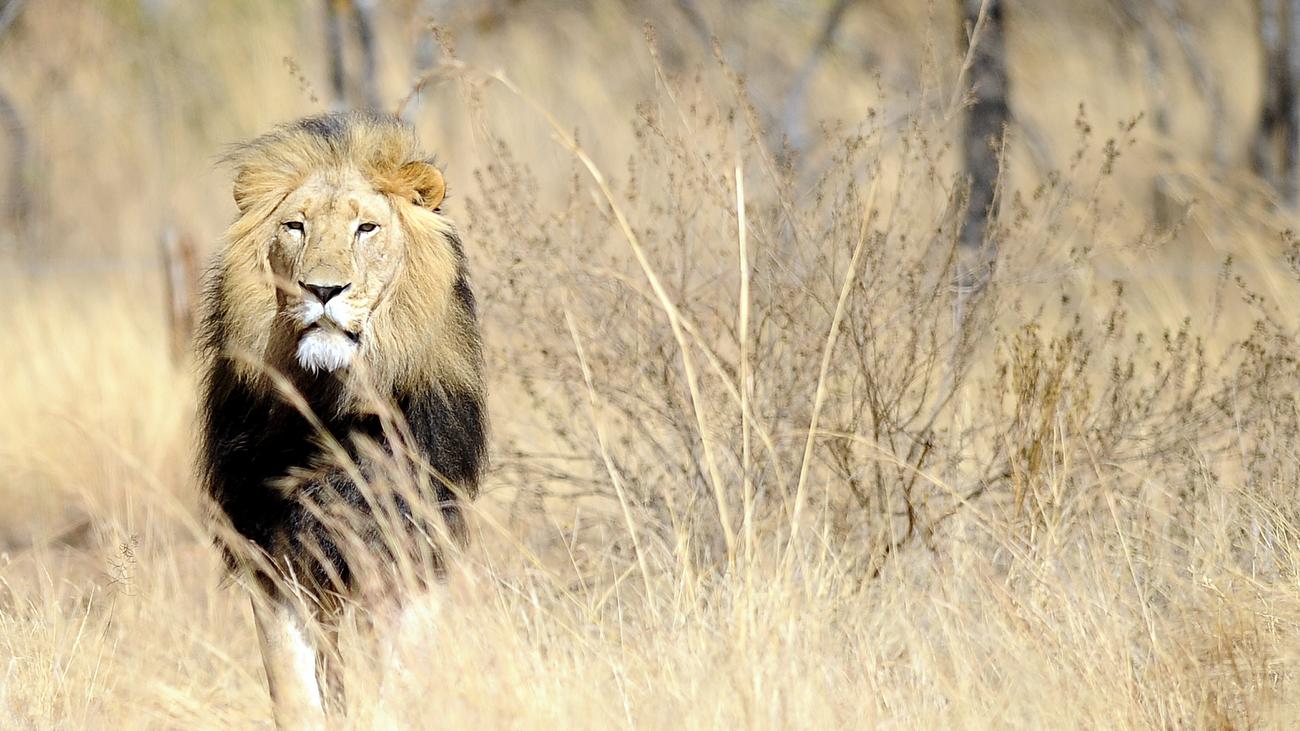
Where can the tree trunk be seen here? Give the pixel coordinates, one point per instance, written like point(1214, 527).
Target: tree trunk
point(17, 202)
point(1290, 109)
point(986, 120)
point(334, 48)
point(1175, 15)
point(1264, 149)
point(1276, 150)
point(365, 19)
point(362, 17)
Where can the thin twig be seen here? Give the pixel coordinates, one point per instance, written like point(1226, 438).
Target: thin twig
point(665, 302)
point(746, 386)
point(958, 91)
point(827, 351)
point(610, 467)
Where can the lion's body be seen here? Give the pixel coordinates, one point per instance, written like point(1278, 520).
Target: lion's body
point(338, 329)
point(255, 440)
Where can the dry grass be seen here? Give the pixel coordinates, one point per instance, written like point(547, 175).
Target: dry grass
point(1073, 507)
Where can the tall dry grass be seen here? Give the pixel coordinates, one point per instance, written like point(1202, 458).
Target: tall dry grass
point(756, 462)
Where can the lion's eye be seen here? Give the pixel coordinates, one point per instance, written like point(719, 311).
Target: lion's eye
point(294, 226)
point(366, 228)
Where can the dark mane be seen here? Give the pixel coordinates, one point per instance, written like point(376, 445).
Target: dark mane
point(253, 439)
point(263, 462)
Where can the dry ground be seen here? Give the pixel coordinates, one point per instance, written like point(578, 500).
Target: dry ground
point(1072, 507)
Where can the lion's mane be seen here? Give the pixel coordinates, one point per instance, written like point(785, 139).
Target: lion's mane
point(422, 355)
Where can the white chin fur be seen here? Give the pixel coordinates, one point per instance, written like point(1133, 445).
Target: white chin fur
point(323, 350)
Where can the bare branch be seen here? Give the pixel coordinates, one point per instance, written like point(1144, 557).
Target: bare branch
point(796, 100)
point(1276, 87)
point(17, 203)
point(9, 13)
point(180, 279)
point(365, 20)
point(334, 49)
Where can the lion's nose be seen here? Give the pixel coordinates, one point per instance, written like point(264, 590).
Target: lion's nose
point(325, 292)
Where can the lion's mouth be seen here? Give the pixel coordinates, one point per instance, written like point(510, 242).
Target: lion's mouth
point(327, 348)
point(353, 336)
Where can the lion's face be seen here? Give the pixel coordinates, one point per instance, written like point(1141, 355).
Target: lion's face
point(341, 260)
point(337, 249)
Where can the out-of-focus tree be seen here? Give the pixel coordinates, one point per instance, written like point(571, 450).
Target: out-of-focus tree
point(430, 13)
point(1174, 14)
point(1264, 151)
point(181, 267)
point(16, 199)
point(362, 16)
point(15, 131)
point(1144, 21)
point(695, 19)
point(796, 99)
point(984, 128)
point(1276, 152)
point(1138, 19)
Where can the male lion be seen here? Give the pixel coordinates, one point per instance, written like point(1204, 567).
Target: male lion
point(339, 344)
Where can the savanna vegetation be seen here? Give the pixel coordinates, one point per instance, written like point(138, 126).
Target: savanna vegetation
point(764, 454)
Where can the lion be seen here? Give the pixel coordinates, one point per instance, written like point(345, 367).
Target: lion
point(338, 338)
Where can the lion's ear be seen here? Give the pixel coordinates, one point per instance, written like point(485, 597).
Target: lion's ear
point(426, 183)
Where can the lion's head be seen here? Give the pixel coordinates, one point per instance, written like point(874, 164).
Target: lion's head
point(340, 260)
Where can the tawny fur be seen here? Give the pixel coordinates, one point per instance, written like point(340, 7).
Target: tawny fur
point(386, 155)
point(342, 281)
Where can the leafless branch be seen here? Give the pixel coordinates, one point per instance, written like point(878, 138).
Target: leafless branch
point(17, 203)
point(796, 100)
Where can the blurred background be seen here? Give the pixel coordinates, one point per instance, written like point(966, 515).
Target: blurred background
point(106, 98)
point(972, 299)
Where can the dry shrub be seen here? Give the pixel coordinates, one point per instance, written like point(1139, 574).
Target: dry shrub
point(1061, 498)
point(934, 398)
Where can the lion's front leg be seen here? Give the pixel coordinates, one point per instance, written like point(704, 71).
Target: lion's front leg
point(290, 654)
point(404, 631)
